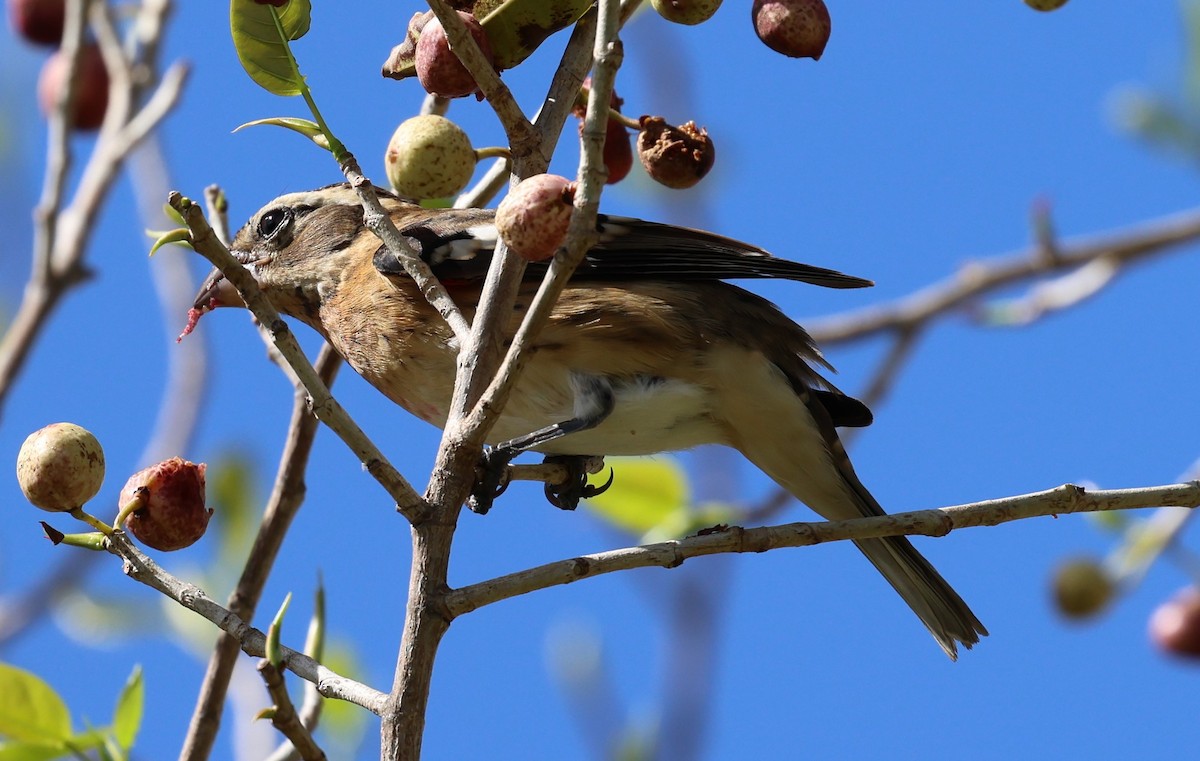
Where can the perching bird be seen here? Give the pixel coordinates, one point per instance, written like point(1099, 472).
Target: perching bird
point(646, 351)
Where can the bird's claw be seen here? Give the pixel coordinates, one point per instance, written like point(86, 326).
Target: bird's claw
point(566, 496)
point(491, 480)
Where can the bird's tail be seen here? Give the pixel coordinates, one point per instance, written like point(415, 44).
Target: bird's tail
point(934, 601)
point(791, 437)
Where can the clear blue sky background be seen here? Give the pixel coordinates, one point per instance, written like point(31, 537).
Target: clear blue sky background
point(915, 145)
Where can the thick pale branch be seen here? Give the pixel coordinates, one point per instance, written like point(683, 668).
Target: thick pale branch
point(1059, 501)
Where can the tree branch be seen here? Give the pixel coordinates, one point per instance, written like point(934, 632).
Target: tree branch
point(287, 496)
point(973, 280)
point(1059, 501)
point(252, 641)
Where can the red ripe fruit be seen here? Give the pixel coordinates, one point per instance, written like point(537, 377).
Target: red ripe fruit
point(618, 152)
point(91, 89)
point(534, 216)
point(172, 514)
point(1175, 625)
point(796, 28)
point(39, 21)
point(438, 68)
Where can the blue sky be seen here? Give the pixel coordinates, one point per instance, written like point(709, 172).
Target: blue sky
point(915, 145)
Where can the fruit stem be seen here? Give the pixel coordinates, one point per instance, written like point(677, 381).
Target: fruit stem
point(493, 152)
point(136, 503)
point(92, 521)
point(616, 116)
point(335, 146)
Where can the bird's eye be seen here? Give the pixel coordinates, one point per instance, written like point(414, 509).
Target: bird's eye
point(272, 222)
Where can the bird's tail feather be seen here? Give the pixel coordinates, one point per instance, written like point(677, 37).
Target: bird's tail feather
point(934, 601)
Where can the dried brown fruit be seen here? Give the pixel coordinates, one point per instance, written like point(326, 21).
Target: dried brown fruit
point(438, 68)
point(534, 216)
point(678, 157)
point(171, 514)
point(796, 28)
point(60, 467)
point(429, 157)
point(91, 87)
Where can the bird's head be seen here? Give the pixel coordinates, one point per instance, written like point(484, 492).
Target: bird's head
point(298, 248)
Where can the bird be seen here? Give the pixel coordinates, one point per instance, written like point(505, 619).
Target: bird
point(647, 350)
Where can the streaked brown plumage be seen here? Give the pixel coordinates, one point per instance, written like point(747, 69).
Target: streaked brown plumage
point(646, 351)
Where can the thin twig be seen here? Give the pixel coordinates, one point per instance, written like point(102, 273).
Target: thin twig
point(62, 233)
point(287, 496)
point(1123, 247)
point(1059, 501)
point(378, 221)
point(284, 716)
point(252, 641)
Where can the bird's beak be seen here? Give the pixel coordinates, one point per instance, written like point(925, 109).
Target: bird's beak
point(217, 292)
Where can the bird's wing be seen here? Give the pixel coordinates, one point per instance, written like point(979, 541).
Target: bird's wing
point(458, 246)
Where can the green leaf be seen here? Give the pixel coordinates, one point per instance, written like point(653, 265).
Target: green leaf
point(274, 651)
point(30, 710)
point(261, 33)
point(314, 642)
point(127, 718)
point(31, 751)
point(180, 235)
point(645, 494)
point(99, 619)
point(173, 215)
point(306, 127)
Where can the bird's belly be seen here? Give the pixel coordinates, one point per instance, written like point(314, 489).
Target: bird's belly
point(649, 415)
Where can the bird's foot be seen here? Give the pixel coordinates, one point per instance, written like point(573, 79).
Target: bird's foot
point(566, 495)
point(491, 478)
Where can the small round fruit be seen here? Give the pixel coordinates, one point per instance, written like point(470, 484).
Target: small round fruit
point(91, 88)
point(1175, 625)
point(678, 157)
point(796, 28)
point(60, 467)
point(688, 12)
point(172, 514)
point(1045, 5)
point(438, 68)
point(429, 157)
point(39, 21)
point(534, 216)
point(1082, 588)
point(618, 152)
